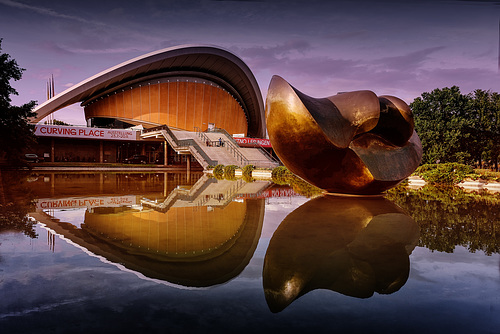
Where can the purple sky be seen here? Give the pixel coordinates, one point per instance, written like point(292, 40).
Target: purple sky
point(401, 48)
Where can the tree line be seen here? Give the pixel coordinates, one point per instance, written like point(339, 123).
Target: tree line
point(456, 127)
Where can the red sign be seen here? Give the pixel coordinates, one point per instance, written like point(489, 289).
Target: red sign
point(83, 132)
point(253, 142)
point(85, 202)
point(285, 191)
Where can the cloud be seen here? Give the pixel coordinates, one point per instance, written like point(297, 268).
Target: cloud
point(109, 50)
point(406, 62)
point(45, 11)
point(53, 48)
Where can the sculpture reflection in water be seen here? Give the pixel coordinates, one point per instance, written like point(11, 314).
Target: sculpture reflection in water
point(197, 235)
point(353, 142)
point(355, 246)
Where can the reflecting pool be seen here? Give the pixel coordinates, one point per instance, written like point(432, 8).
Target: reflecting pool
point(171, 253)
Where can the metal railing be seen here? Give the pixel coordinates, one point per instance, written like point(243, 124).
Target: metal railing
point(191, 145)
point(228, 143)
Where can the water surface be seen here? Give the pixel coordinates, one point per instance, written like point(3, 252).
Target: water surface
point(172, 253)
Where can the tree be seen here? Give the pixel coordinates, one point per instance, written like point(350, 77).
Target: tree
point(16, 133)
point(486, 109)
point(57, 122)
point(444, 123)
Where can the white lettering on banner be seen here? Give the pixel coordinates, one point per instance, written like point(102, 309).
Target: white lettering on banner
point(253, 141)
point(80, 132)
point(87, 202)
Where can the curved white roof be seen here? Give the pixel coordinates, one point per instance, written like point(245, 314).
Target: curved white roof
point(214, 63)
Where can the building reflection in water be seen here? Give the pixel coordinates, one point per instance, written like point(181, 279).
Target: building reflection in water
point(193, 232)
point(355, 246)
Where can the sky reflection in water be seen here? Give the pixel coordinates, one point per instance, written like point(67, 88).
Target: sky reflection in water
point(90, 269)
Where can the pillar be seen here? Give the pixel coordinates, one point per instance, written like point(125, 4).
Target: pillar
point(165, 153)
point(165, 184)
point(101, 152)
point(52, 150)
point(101, 183)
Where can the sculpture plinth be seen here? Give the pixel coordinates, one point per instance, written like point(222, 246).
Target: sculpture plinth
point(352, 143)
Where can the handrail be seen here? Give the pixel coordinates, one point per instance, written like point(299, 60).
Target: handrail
point(270, 157)
point(262, 150)
point(236, 152)
point(230, 144)
point(190, 143)
point(227, 135)
point(202, 135)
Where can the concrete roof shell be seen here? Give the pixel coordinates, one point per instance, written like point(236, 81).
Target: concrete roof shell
point(212, 62)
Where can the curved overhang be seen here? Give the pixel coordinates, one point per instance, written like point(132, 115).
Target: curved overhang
point(215, 63)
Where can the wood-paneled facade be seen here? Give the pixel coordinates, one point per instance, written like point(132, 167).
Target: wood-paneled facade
point(179, 102)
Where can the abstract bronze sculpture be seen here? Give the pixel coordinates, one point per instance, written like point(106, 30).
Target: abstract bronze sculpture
point(351, 143)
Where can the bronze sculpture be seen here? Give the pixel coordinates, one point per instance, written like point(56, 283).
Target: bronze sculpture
point(351, 143)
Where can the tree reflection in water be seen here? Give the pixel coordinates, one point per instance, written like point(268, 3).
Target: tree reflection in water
point(450, 217)
point(352, 245)
point(16, 200)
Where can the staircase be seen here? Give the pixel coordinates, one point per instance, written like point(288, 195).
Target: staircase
point(207, 192)
point(212, 148)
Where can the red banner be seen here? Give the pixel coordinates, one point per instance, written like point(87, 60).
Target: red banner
point(253, 142)
point(82, 132)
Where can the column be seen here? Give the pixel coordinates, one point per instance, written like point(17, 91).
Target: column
point(101, 152)
point(52, 150)
point(165, 153)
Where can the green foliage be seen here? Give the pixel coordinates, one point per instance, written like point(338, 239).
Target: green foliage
point(247, 173)
point(218, 172)
point(282, 176)
point(458, 128)
point(450, 217)
point(16, 134)
point(229, 172)
point(247, 170)
point(447, 173)
point(487, 175)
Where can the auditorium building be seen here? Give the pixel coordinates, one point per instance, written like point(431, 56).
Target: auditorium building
point(169, 106)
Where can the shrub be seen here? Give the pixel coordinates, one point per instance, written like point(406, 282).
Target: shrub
point(247, 173)
point(218, 172)
point(229, 172)
point(248, 169)
point(280, 175)
point(447, 173)
point(489, 176)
